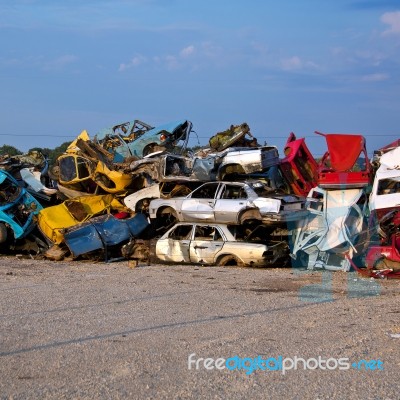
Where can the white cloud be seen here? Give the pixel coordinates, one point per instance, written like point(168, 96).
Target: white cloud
point(378, 77)
point(209, 49)
point(393, 20)
point(172, 62)
point(296, 63)
point(187, 51)
point(60, 62)
point(134, 62)
point(289, 64)
point(9, 62)
point(337, 51)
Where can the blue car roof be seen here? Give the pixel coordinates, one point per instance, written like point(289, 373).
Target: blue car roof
point(169, 127)
point(102, 133)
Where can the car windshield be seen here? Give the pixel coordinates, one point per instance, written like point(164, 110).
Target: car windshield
point(9, 192)
point(261, 189)
point(73, 168)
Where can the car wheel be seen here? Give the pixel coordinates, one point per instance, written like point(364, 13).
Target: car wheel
point(166, 218)
point(142, 206)
point(250, 215)
point(229, 260)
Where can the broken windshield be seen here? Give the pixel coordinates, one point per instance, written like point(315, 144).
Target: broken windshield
point(9, 192)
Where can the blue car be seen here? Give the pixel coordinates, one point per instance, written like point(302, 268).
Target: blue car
point(17, 210)
point(139, 139)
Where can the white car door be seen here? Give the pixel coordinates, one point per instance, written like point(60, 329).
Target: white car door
point(175, 245)
point(206, 244)
point(231, 199)
point(199, 205)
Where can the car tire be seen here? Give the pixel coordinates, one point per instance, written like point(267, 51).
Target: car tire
point(229, 260)
point(166, 218)
point(249, 215)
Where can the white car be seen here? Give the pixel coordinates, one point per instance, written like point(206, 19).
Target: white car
point(231, 203)
point(215, 244)
point(205, 166)
point(385, 194)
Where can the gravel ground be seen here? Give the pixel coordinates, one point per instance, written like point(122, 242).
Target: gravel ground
point(80, 330)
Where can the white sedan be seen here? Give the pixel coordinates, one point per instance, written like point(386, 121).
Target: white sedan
point(231, 203)
point(215, 244)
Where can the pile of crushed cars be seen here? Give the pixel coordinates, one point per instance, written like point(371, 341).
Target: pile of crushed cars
point(138, 192)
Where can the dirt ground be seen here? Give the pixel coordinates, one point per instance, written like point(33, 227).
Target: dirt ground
point(87, 330)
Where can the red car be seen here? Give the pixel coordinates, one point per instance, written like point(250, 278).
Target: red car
point(299, 166)
point(383, 258)
point(345, 165)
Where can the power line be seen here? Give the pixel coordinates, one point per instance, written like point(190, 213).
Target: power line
point(35, 135)
point(200, 137)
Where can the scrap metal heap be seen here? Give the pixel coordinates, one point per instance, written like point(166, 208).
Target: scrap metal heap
point(138, 192)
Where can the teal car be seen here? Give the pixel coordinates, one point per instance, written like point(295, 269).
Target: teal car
point(18, 210)
point(138, 139)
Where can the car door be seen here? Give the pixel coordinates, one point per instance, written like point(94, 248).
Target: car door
point(199, 205)
point(207, 242)
point(231, 199)
point(175, 246)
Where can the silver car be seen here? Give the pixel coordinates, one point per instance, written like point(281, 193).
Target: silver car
point(217, 244)
point(231, 203)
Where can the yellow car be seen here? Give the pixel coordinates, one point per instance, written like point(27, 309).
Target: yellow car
point(82, 174)
point(53, 220)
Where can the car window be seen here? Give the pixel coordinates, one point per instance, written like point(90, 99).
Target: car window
point(259, 234)
point(67, 169)
point(316, 202)
point(207, 233)
point(388, 186)
point(351, 221)
point(83, 171)
point(205, 192)
point(217, 235)
point(181, 232)
point(233, 192)
point(72, 168)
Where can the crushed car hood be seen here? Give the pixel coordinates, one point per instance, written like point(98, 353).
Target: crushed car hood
point(342, 161)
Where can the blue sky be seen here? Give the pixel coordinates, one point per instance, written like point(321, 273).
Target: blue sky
point(280, 66)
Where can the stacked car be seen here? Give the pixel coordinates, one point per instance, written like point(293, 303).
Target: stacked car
point(138, 191)
point(335, 231)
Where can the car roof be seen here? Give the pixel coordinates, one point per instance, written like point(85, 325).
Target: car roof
point(201, 224)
